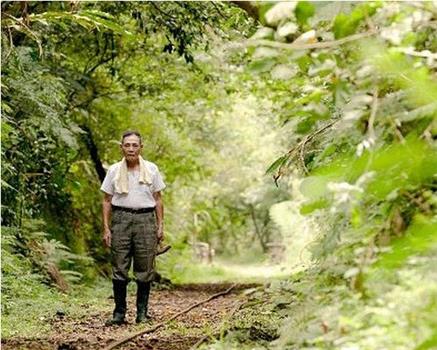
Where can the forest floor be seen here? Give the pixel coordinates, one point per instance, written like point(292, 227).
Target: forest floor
point(87, 331)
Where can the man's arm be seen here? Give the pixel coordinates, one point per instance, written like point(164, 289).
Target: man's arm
point(159, 215)
point(107, 209)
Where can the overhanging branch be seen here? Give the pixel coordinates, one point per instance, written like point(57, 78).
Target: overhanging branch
point(309, 46)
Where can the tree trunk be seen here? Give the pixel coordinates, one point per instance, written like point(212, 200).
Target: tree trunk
point(257, 230)
point(94, 152)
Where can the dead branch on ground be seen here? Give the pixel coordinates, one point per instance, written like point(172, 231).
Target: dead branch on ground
point(163, 323)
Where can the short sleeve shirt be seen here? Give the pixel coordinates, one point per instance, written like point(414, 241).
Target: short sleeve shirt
point(140, 195)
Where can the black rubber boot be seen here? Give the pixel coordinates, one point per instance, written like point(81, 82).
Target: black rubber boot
point(119, 288)
point(143, 291)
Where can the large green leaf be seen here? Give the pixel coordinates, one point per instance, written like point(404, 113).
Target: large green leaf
point(420, 237)
point(347, 24)
point(276, 164)
point(303, 11)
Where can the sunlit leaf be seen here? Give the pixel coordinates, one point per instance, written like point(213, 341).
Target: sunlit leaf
point(303, 11)
point(276, 164)
point(420, 237)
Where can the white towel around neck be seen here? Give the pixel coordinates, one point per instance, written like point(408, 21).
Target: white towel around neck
point(121, 180)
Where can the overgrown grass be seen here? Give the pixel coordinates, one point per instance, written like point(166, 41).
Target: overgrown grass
point(181, 267)
point(28, 302)
point(253, 326)
point(222, 271)
point(319, 309)
point(29, 314)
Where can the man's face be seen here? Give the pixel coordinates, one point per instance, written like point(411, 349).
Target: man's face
point(131, 148)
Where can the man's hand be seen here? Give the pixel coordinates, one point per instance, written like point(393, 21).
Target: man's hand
point(107, 238)
point(160, 233)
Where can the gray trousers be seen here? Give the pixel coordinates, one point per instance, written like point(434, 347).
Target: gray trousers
point(133, 237)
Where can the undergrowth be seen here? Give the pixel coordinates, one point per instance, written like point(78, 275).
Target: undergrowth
point(319, 308)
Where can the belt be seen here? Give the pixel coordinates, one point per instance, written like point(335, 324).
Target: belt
point(134, 210)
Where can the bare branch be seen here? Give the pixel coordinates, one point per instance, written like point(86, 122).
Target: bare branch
point(302, 155)
point(22, 22)
point(318, 45)
point(371, 121)
point(301, 148)
point(161, 324)
point(161, 11)
point(218, 10)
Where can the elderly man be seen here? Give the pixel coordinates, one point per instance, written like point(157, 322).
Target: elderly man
point(132, 190)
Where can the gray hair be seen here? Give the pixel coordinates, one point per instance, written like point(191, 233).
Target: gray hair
point(129, 133)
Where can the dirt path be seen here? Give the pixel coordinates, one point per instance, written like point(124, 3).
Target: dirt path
point(90, 333)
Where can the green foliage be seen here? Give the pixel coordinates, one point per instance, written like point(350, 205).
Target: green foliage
point(363, 155)
point(51, 260)
point(30, 152)
point(308, 208)
point(358, 116)
point(322, 312)
point(88, 19)
point(429, 343)
point(347, 24)
point(82, 73)
point(31, 266)
point(261, 66)
point(276, 164)
point(40, 304)
point(381, 172)
point(253, 325)
point(418, 239)
point(303, 11)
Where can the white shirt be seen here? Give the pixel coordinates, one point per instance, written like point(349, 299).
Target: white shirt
point(140, 195)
